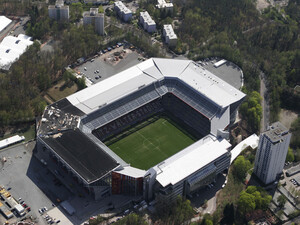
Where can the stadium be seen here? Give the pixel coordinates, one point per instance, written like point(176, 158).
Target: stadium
point(159, 128)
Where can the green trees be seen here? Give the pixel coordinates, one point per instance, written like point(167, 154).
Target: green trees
point(240, 167)
point(290, 156)
point(253, 198)
point(132, 219)
point(251, 110)
point(281, 200)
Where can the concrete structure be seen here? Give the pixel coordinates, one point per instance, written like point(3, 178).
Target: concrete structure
point(271, 153)
point(11, 48)
point(72, 130)
point(94, 18)
point(147, 22)
point(59, 11)
point(4, 22)
point(123, 12)
point(169, 35)
point(162, 4)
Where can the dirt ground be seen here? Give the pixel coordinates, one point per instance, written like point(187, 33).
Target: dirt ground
point(262, 4)
point(286, 117)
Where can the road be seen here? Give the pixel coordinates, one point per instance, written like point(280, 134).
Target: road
point(264, 103)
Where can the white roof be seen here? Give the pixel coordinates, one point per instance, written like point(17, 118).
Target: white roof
point(19, 208)
point(132, 172)
point(11, 140)
point(11, 48)
point(4, 21)
point(251, 141)
point(192, 158)
point(148, 72)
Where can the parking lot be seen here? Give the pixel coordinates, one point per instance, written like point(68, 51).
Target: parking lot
point(102, 67)
point(27, 179)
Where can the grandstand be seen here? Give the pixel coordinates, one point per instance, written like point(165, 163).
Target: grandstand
point(193, 97)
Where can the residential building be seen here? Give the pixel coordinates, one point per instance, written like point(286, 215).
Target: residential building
point(271, 152)
point(162, 4)
point(59, 11)
point(147, 22)
point(123, 12)
point(94, 18)
point(170, 36)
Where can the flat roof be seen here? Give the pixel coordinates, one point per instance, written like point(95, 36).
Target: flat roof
point(82, 154)
point(276, 131)
point(150, 71)
point(11, 48)
point(190, 160)
point(131, 172)
point(4, 22)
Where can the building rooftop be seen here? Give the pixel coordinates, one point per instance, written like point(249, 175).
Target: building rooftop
point(163, 4)
point(169, 31)
point(190, 160)
point(150, 71)
point(122, 7)
point(276, 131)
point(4, 22)
point(132, 172)
point(11, 48)
point(147, 18)
point(82, 154)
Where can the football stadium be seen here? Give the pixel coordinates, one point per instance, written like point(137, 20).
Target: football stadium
point(159, 128)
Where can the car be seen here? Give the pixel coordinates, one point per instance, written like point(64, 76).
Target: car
point(98, 71)
point(19, 199)
point(9, 188)
point(45, 208)
point(28, 209)
point(84, 68)
point(96, 77)
point(24, 205)
point(58, 221)
point(22, 202)
point(109, 49)
point(92, 60)
point(40, 211)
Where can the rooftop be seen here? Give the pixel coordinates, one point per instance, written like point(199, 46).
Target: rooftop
point(4, 22)
point(82, 154)
point(192, 158)
point(11, 48)
point(276, 131)
point(150, 71)
point(132, 172)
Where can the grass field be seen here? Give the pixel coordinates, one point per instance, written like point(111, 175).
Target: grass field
point(152, 144)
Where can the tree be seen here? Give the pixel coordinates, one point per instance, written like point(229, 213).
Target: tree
point(290, 156)
point(246, 203)
point(228, 214)
point(240, 168)
point(281, 200)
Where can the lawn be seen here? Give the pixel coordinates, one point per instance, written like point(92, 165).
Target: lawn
point(152, 144)
point(60, 90)
point(28, 131)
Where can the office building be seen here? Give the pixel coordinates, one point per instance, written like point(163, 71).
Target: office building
point(59, 11)
point(147, 22)
point(169, 35)
point(94, 18)
point(271, 152)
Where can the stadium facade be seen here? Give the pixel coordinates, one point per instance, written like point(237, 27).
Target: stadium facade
point(72, 130)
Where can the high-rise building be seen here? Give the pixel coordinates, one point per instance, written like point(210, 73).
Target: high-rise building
point(59, 11)
point(271, 152)
point(94, 18)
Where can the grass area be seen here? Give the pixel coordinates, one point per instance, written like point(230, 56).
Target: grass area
point(27, 131)
point(60, 90)
point(152, 144)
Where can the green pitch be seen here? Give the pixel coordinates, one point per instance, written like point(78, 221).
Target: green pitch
point(152, 144)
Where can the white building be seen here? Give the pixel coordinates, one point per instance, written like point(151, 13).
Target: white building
point(59, 11)
point(123, 12)
point(11, 48)
point(162, 4)
point(94, 18)
point(4, 22)
point(170, 36)
point(147, 22)
point(271, 152)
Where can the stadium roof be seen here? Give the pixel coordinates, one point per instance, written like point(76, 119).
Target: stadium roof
point(190, 160)
point(132, 172)
point(82, 154)
point(11, 48)
point(150, 71)
point(4, 22)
